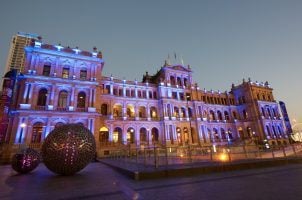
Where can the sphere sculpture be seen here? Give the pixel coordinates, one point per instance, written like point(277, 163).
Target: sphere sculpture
point(26, 160)
point(68, 149)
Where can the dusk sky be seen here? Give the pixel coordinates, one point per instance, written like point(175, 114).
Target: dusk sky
point(223, 41)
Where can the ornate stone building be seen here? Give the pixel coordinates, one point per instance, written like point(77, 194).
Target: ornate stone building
point(63, 85)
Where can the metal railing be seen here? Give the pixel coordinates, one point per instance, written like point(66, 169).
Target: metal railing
point(157, 156)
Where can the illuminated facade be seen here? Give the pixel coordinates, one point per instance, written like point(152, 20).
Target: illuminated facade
point(63, 85)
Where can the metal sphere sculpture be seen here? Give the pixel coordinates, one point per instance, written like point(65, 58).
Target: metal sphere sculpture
point(26, 160)
point(68, 149)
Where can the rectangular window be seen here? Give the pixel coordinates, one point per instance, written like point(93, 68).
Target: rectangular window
point(115, 91)
point(65, 73)
point(46, 70)
point(174, 95)
point(83, 74)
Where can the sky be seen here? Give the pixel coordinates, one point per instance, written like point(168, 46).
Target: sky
point(223, 41)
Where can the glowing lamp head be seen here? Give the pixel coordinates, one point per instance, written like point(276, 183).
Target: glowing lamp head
point(223, 157)
point(23, 125)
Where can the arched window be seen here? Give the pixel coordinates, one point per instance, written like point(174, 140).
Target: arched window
point(42, 97)
point(81, 100)
point(269, 111)
point(104, 135)
point(117, 110)
point(219, 115)
point(104, 109)
point(215, 132)
point(222, 132)
point(226, 115)
point(117, 135)
point(37, 132)
point(154, 134)
point(275, 113)
point(274, 131)
point(190, 112)
point(268, 131)
point(185, 82)
point(263, 112)
point(153, 112)
point(176, 111)
point(179, 81)
point(183, 112)
point(63, 97)
point(280, 130)
point(130, 111)
point(130, 135)
point(143, 135)
point(172, 80)
point(230, 135)
point(142, 112)
point(212, 115)
point(245, 115)
point(234, 115)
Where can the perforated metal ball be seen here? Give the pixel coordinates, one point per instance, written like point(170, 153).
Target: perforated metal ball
point(26, 160)
point(68, 149)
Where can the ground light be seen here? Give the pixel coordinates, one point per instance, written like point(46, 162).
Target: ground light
point(223, 157)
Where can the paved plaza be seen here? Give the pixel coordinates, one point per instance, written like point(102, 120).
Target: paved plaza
point(98, 181)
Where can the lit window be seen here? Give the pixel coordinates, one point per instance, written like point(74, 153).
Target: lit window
point(83, 74)
point(46, 70)
point(65, 73)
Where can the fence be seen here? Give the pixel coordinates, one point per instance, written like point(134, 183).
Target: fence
point(157, 156)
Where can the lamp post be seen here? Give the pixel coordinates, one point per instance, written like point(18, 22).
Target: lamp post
point(190, 125)
point(23, 125)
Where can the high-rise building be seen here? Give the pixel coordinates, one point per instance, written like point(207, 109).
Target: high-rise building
point(61, 85)
point(16, 55)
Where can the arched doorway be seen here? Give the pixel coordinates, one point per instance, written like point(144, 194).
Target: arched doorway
point(143, 136)
point(42, 97)
point(117, 135)
point(62, 101)
point(154, 135)
point(104, 135)
point(130, 135)
point(81, 100)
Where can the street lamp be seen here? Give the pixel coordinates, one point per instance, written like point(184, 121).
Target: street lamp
point(190, 134)
point(22, 125)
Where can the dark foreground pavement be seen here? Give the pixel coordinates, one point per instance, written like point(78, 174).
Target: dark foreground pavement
point(98, 181)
